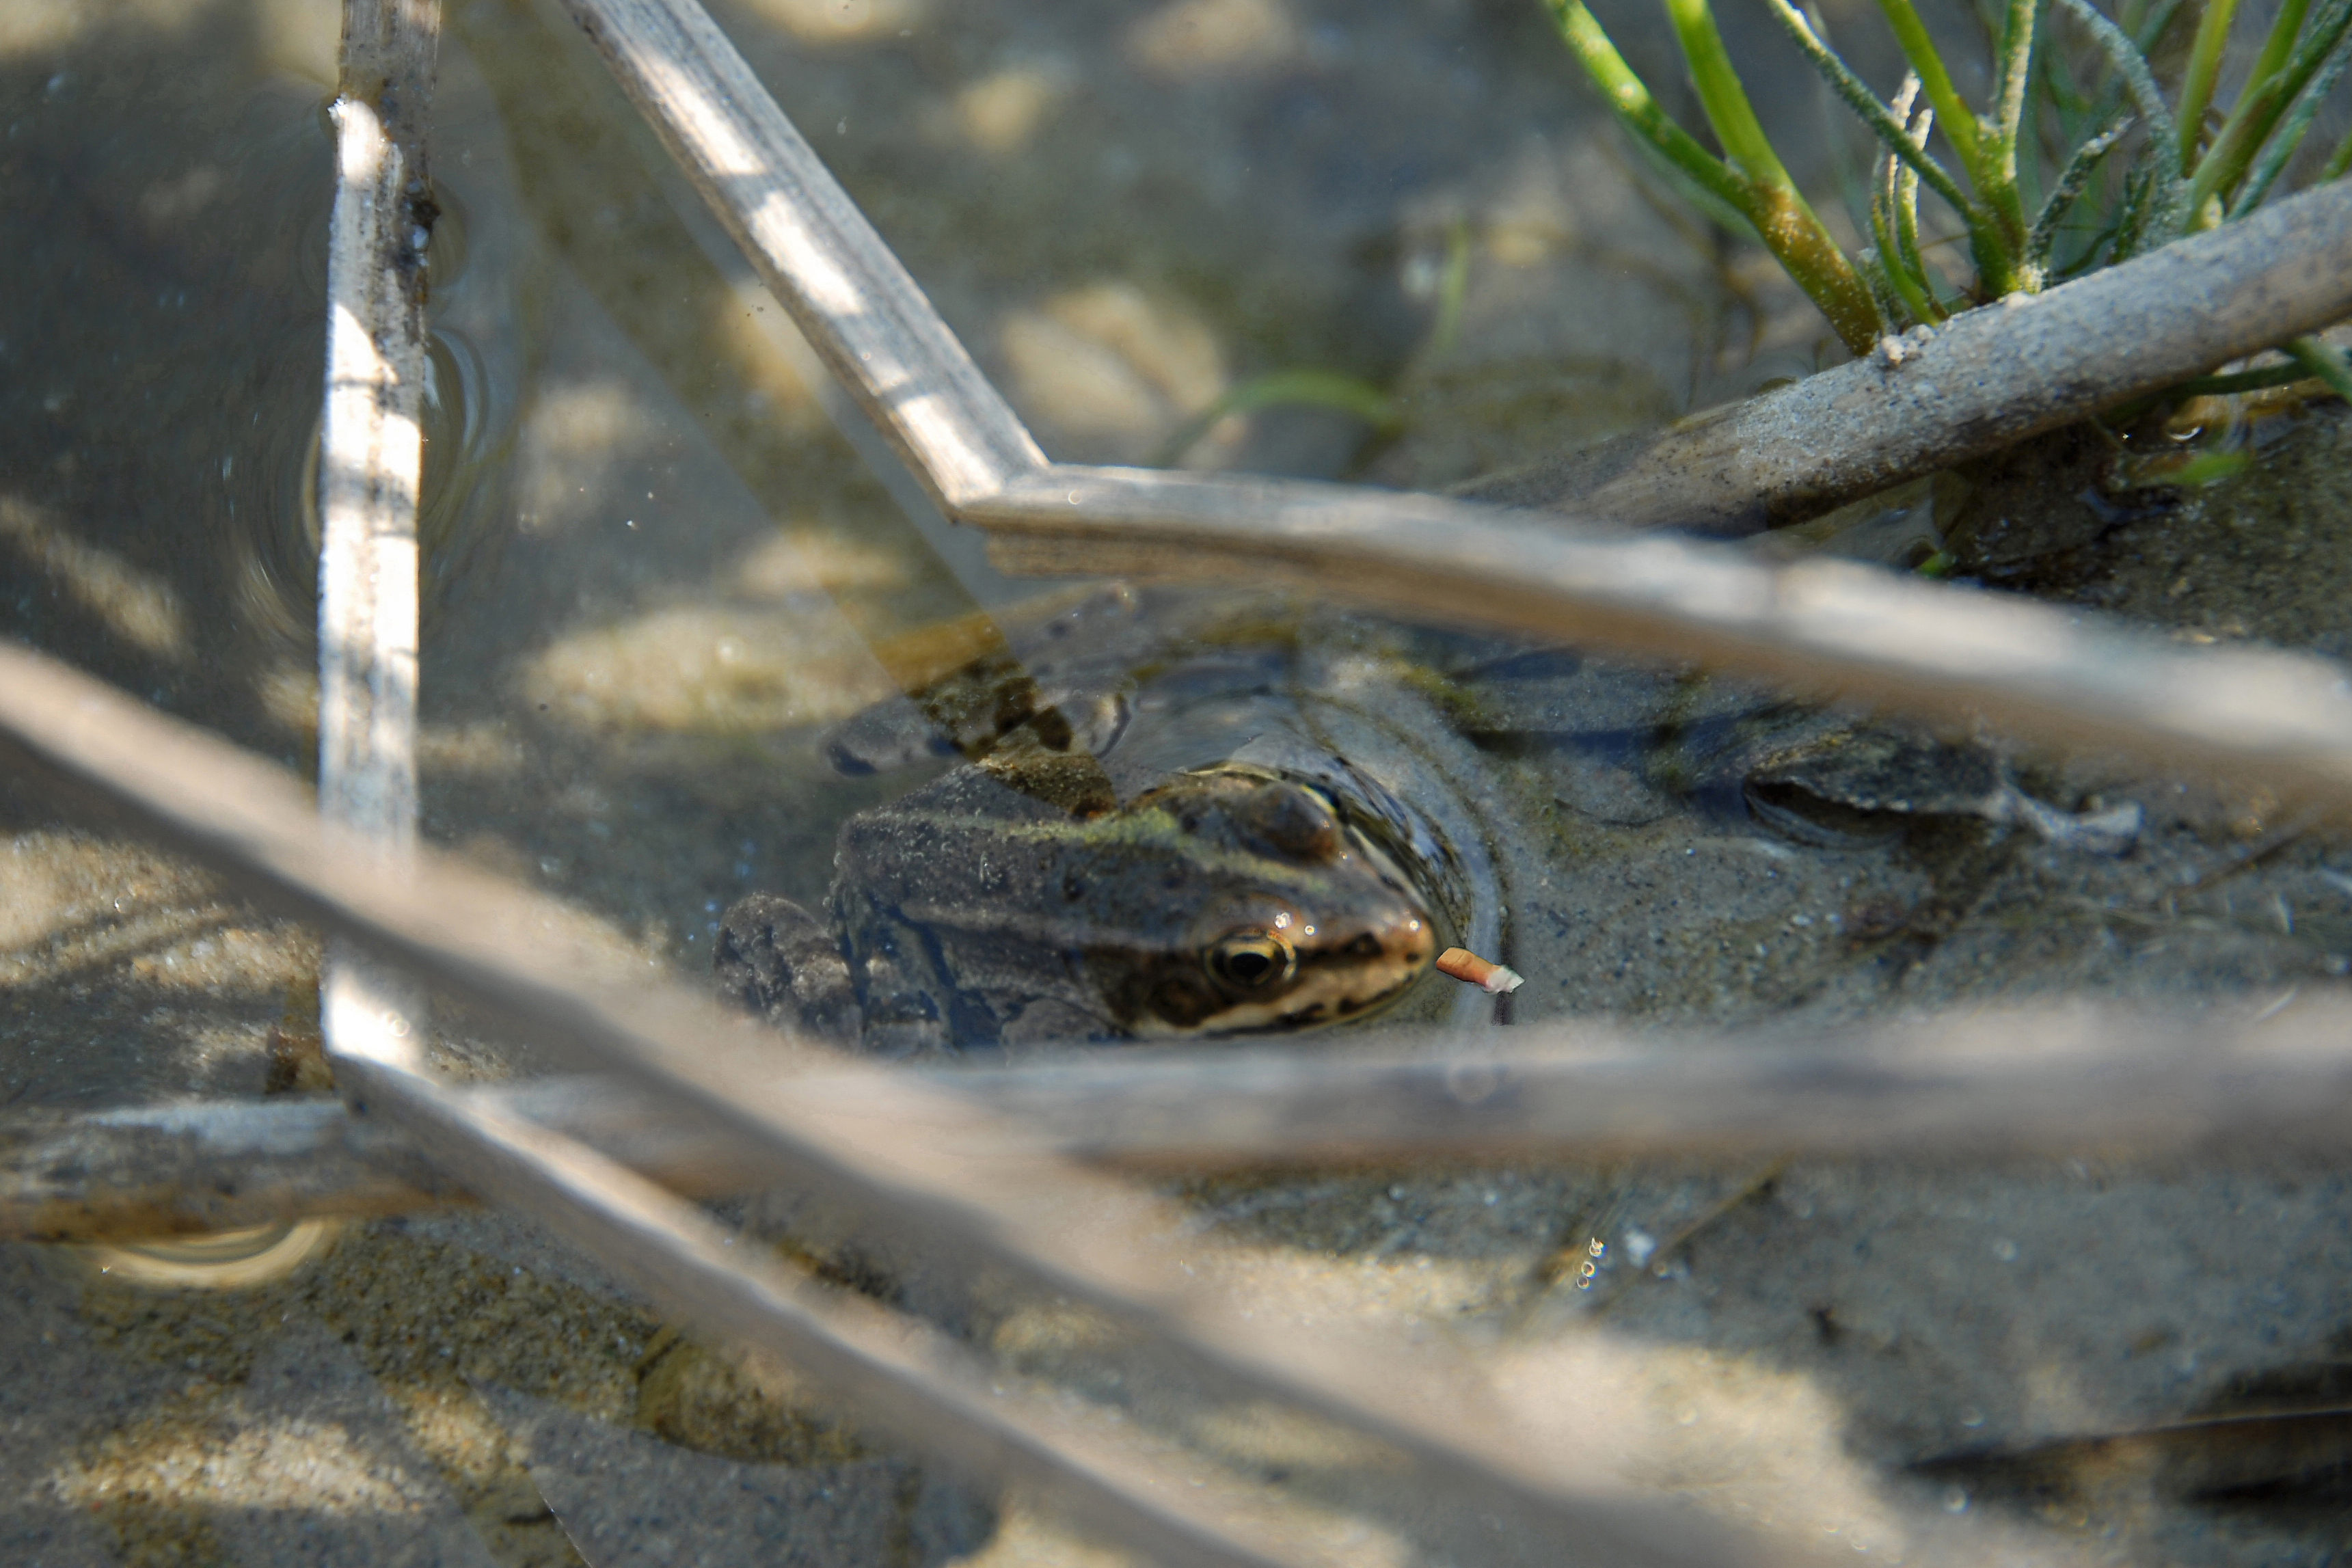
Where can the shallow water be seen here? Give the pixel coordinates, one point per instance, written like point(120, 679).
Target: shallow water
point(658, 573)
point(655, 564)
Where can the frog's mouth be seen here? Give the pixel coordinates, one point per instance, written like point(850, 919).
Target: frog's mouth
point(1410, 852)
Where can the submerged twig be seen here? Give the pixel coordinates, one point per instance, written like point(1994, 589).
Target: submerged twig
point(2032, 1081)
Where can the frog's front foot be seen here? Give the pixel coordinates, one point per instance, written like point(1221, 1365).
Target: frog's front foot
point(780, 962)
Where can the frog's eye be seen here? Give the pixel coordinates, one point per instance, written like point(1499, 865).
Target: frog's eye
point(1252, 959)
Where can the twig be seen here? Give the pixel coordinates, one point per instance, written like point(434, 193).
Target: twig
point(191, 1166)
point(370, 469)
point(2025, 1083)
point(2072, 680)
point(849, 295)
point(2137, 327)
point(1989, 378)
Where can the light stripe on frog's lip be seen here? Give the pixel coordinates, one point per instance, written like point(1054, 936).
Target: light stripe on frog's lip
point(1301, 1005)
point(1278, 878)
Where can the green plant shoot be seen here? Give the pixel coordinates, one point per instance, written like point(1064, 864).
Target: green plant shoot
point(2135, 176)
point(1751, 179)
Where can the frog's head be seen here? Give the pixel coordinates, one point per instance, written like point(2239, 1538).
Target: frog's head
point(1241, 900)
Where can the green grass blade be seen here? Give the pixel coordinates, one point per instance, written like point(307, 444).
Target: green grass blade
point(1709, 203)
point(1452, 287)
point(1290, 389)
point(1919, 48)
point(1638, 110)
point(2278, 46)
point(1905, 202)
point(2131, 220)
point(1791, 229)
point(2257, 113)
point(1812, 260)
point(2204, 65)
point(2072, 181)
point(1856, 177)
point(2291, 130)
point(2074, 107)
point(1909, 290)
point(1857, 96)
point(1758, 186)
point(2337, 161)
point(2012, 75)
point(2325, 361)
point(1721, 96)
point(2028, 159)
point(1891, 308)
point(2166, 210)
point(1907, 235)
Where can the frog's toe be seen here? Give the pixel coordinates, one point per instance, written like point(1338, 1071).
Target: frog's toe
point(779, 960)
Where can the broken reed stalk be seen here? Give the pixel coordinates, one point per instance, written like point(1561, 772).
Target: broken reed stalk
point(847, 292)
point(371, 478)
point(1987, 379)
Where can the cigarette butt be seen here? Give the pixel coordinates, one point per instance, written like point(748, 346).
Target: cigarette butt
point(1495, 979)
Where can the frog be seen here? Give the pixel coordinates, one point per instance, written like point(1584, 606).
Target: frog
point(1632, 744)
point(1867, 780)
point(1203, 823)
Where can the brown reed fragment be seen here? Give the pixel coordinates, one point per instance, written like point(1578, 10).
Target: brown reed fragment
point(1840, 627)
point(1495, 979)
